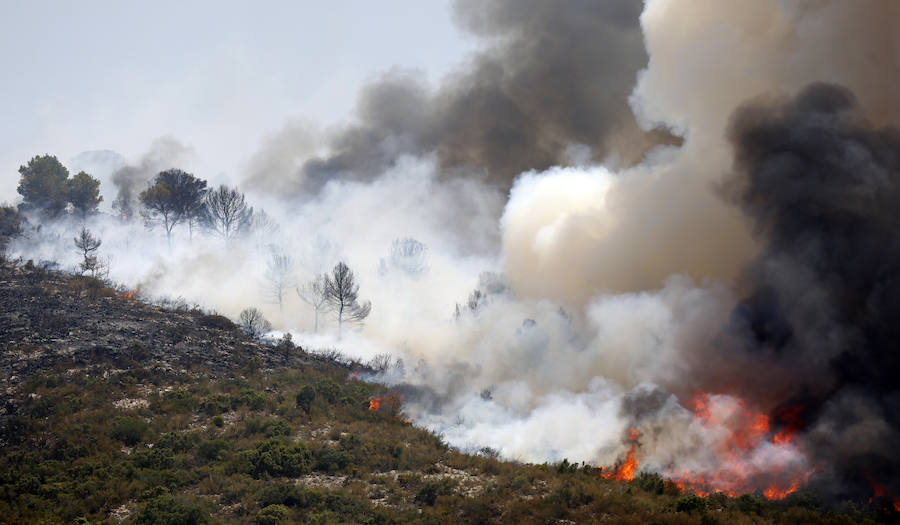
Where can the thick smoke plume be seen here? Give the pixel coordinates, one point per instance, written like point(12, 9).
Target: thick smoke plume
point(130, 180)
point(551, 85)
point(822, 185)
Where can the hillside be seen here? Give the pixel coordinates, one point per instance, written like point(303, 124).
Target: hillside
point(116, 410)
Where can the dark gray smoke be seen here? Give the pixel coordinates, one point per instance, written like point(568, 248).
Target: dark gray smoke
point(551, 78)
point(131, 179)
point(822, 186)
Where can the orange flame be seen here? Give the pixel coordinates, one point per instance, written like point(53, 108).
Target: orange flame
point(881, 492)
point(626, 471)
point(353, 376)
point(130, 294)
point(375, 403)
point(749, 455)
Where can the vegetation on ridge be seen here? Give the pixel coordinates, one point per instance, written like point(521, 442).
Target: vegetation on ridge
point(281, 437)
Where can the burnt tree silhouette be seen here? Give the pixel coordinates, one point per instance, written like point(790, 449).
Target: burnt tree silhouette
point(279, 277)
point(227, 213)
point(313, 294)
point(342, 294)
point(88, 245)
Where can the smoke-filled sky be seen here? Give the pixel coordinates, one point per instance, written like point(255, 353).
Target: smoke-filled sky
point(665, 228)
point(109, 75)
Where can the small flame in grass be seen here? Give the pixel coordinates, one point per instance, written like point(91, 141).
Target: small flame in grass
point(353, 376)
point(375, 403)
point(129, 294)
point(626, 471)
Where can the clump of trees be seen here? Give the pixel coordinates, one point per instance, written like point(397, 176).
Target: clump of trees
point(174, 197)
point(46, 188)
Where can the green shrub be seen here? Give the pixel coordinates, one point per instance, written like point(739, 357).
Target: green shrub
point(305, 398)
point(212, 450)
point(651, 482)
point(218, 322)
point(564, 467)
point(177, 441)
point(331, 460)
point(690, 503)
point(253, 400)
point(290, 495)
point(266, 426)
point(328, 389)
point(274, 458)
point(166, 510)
point(152, 458)
point(271, 515)
point(748, 504)
point(431, 489)
point(129, 430)
point(215, 405)
point(277, 427)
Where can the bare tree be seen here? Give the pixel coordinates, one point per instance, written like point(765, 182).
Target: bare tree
point(88, 245)
point(342, 294)
point(279, 277)
point(407, 256)
point(253, 323)
point(227, 212)
point(313, 294)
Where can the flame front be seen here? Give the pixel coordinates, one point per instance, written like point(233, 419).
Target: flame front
point(375, 403)
point(627, 470)
point(746, 455)
point(881, 493)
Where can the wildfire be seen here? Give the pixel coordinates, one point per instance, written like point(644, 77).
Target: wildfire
point(353, 376)
point(129, 294)
point(748, 454)
point(391, 402)
point(880, 492)
point(626, 471)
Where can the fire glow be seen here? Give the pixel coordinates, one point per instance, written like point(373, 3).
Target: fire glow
point(747, 454)
point(626, 470)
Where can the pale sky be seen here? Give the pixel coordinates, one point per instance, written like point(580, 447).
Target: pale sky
point(216, 75)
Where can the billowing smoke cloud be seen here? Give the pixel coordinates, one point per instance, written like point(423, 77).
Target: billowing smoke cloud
point(822, 185)
point(549, 80)
point(131, 179)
